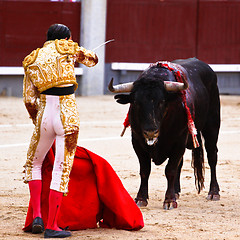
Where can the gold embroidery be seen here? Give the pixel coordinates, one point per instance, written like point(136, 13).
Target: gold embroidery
point(71, 122)
point(30, 58)
point(30, 97)
point(53, 64)
point(51, 69)
point(48, 67)
point(33, 110)
point(66, 46)
point(34, 141)
point(87, 57)
point(71, 141)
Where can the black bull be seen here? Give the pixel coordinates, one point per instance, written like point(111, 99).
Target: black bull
point(159, 123)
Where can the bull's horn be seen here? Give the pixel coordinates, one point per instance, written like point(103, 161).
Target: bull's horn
point(121, 88)
point(175, 86)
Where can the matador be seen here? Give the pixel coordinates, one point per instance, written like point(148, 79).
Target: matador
point(48, 93)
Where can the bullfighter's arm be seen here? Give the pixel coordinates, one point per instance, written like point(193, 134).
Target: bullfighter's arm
point(86, 57)
point(30, 97)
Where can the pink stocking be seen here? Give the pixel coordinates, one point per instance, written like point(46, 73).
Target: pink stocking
point(35, 187)
point(55, 199)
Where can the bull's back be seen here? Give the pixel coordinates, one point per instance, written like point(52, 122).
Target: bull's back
point(199, 71)
point(204, 91)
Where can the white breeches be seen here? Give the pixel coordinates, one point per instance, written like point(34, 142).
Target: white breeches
point(50, 128)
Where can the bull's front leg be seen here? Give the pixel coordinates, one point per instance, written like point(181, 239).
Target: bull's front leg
point(145, 169)
point(142, 196)
point(170, 197)
point(172, 172)
point(177, 185)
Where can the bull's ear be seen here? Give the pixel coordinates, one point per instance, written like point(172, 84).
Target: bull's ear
point(123, 98)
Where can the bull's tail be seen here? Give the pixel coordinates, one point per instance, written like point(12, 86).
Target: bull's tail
point(198, 164)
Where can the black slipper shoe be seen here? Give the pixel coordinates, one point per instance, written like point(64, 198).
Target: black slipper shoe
point(37, 225)
point(49, 233)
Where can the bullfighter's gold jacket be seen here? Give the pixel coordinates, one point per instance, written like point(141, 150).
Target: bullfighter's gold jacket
point(52, 66)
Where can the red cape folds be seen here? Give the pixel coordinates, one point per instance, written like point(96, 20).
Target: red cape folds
point(96, 195)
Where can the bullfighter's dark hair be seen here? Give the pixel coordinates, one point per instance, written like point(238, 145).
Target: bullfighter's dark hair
point(58, 31)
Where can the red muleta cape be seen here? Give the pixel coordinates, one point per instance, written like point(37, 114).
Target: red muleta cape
point(96, 195)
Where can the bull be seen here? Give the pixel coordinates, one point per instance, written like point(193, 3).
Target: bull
point(159, 100)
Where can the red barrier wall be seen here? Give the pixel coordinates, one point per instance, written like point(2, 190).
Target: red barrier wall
point(151, 30)
point(219, 31)
point(144, 30)
point(23, 26)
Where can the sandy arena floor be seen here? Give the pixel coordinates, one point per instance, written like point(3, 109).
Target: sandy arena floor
point(101, 125)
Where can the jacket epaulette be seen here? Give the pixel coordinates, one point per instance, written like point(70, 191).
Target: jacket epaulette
point(29, 59)
point(66, 46)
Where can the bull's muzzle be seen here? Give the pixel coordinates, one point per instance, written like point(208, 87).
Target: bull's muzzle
point(151, 137)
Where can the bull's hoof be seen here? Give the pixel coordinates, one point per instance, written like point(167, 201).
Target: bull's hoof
point(169, 205)
point(141, 202)
point(213, 197)
point(177, 195)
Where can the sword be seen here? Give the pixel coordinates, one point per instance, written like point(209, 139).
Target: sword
point(103, 44)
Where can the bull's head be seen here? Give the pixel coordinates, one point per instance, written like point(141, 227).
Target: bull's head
point(149, 97)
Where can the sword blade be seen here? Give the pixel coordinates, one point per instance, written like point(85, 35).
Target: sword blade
point(103, 44)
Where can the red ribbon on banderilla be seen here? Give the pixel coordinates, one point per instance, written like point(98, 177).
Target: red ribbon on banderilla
point(126, 124)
